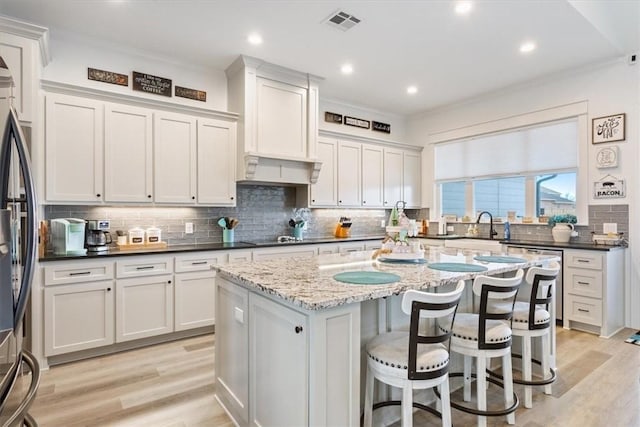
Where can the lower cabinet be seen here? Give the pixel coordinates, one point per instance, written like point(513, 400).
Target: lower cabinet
point(144, 307)
point(78, 317)
point(278, 364)
point(194, 300)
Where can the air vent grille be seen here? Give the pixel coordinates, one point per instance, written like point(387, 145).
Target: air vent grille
point(342, 20)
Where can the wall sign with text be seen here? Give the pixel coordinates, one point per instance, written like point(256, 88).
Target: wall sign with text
point(151, 84)
point(609, 187)
point(359, 123)
point(608, 129)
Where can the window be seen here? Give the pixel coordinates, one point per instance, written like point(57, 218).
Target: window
point(556, 194)
point(500, 195)
point(453, 198)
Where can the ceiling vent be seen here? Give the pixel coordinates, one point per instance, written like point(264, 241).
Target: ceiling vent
point(342, 20)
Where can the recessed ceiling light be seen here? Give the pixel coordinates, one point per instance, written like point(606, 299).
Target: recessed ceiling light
point(346, 69)
point(255, 39)
point(527, 47)
point(463, 7)
point(411, 90)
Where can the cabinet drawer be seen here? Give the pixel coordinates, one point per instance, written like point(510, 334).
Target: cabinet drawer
point(77, 272)
point(583, 282)
point(583, 259)
point(351, 247)
point(198, 262)
point(144, 266)
point(583, 309)
point(236, 255)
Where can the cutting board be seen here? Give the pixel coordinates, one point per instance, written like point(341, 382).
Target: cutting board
point(158, 245)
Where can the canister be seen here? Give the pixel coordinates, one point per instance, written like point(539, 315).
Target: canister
point(136, 236)
point(153, 235)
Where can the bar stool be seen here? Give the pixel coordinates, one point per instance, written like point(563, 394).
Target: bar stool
point(411, 361)
point(532, 319)
point(485, 335)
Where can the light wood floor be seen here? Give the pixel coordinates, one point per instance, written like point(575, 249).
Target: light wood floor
point(172, 385)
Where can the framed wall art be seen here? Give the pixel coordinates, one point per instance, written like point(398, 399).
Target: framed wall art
point(608, 129)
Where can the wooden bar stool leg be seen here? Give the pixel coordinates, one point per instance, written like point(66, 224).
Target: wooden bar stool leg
point(481, 379)
point(407, 405)
point(507, 374)
point(467, 378)
point(546, 354)
point(526, 370)
point(368, 398)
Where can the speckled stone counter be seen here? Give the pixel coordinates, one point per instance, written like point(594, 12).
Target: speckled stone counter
point(308, 282)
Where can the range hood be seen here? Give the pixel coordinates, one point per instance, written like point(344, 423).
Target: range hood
point(261, 168)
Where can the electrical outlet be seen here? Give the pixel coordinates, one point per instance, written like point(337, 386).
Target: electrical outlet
point(449, 227)
point(188, 227)
point(382, 223)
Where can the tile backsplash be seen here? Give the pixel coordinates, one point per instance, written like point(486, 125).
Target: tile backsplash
point(264, 212)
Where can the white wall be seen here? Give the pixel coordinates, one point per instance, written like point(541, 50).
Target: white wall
point(397, 122)
point(608, 89)
point(72, 55)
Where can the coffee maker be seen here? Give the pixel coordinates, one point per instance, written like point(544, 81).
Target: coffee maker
point(97, 236)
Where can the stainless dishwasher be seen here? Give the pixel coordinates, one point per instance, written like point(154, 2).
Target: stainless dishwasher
point(514, 250)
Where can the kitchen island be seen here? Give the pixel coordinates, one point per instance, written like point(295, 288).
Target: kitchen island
point(289, 336)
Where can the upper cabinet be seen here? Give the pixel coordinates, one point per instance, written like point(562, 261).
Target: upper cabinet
point(100, 152)
point(278, 129)
point(325, 191)
point(20, 43)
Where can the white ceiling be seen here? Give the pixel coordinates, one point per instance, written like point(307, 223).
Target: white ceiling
point(398, 43)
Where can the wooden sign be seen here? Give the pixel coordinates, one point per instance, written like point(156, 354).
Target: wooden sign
point(332, 117)
point(198, 95)
point(151, 84)
point(107, 77)
point(608, 129)
point(609, 187)
point(359, 123)
point(381, 127)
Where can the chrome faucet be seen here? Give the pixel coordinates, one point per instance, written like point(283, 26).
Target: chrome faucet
point(492, 231)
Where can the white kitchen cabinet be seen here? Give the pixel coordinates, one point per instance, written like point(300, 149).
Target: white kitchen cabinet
point(144, 307)
point(175, 158)
point(281, 119)
point(274, 327)
point(19, 55)
point(128, 154)
point(232, 349)
point(74, 159)
point(392, 176)
point(240, 255)
point(284, 252)
point(372, 176)
point(194, 300)
point(78, 316)
point(216, 157)
point(411, 178)
point(351, 247)
point(349, 174)
point(593, 286)
point(402, 177)
point(325, 190)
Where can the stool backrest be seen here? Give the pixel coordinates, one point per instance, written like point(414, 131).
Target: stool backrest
point(429, 305)
point(500, 289)
point(542, 281)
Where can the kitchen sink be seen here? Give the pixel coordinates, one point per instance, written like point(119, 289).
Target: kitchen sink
point(474, 244)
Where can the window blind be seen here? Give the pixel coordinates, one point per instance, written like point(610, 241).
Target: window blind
point(549, 147)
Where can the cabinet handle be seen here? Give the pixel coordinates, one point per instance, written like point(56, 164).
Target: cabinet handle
point(169, 281)
point(146, 267)
point(582, 260)
point(231, 197)
point(80, 273)
point(364, 202)
point(313, 200)
point(385, 202)
point(149, 196)
point(339, 201)
point(108, 289)
point(98, 195)
point(198, 262)
point(583, 283)
point(583, 310)
point(193, 197)
point(298, 329)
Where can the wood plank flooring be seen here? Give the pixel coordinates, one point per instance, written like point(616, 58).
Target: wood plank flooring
point(171, 385)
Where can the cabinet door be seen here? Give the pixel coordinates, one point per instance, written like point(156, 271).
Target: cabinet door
point(278, 366)
point(325, 191)
point(174, 161)
point(194, 300)
point(305, 251)
point(128, 154)
point(411, 179)
point(78, 317)
point(372, 173)
point(144, 307)
point(281, 117)
point(349, 174)
point(392, 177)
point(18, 54)
point(216, 162)
point(74, 149)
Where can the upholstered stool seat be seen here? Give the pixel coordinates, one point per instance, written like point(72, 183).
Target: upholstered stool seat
point(417, 359)
point(465, 333)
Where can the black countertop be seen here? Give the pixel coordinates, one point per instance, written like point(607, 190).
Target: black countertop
point(531, 243)
point(204, 247)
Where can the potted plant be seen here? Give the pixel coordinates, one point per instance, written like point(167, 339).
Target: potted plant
point(562, 227)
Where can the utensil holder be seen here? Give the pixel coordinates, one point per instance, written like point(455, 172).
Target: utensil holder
point(297, 233)
point(227, 236)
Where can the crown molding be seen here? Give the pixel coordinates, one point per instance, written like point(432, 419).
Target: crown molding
point(30, 31)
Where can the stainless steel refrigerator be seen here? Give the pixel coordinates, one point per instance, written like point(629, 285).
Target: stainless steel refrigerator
point(19, 371)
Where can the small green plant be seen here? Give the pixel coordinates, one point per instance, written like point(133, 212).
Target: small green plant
point(563, 219)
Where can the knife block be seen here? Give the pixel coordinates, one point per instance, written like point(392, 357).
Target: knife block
point(342, 231)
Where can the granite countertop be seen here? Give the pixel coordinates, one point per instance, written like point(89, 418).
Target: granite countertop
point(308, 282)
point(205, 247)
